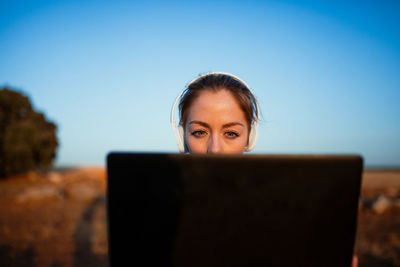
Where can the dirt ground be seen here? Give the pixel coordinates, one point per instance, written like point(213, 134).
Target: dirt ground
point(59, 219)
point(378, 231)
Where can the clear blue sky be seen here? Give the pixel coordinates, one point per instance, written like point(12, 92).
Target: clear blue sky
point(326, 73)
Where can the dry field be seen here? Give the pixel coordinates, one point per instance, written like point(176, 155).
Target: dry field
point(59, 219)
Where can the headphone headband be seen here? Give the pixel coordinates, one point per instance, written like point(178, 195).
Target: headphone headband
point(178, 128)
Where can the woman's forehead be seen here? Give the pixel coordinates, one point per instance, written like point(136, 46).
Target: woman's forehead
point(220, 106)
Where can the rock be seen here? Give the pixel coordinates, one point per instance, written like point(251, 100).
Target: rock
point(42, 193)
point(54, 177)
point(381, 204)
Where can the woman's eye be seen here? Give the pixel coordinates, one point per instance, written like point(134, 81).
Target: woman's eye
point(231, 134)
point(199, 133)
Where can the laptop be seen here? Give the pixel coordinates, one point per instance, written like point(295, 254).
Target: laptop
point(232, 210)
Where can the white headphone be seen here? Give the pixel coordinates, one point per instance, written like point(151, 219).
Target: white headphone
point(178, 128)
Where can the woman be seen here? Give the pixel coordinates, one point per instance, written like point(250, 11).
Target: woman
point(217, 114)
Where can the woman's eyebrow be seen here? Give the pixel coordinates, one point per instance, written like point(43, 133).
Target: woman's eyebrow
point(232, 124)
point(201, 123)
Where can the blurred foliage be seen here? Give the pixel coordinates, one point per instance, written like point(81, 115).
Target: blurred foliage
point(27, 140)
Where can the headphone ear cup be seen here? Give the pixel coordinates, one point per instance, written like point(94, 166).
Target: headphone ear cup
point(180, 138)
point(252, 138)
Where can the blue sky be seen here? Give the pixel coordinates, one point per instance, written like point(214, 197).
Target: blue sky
point(326, 73)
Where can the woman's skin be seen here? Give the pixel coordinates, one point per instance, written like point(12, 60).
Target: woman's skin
point(216, 124)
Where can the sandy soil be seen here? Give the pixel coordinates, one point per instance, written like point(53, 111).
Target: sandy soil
point(58, 219)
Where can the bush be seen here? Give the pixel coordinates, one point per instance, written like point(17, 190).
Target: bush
point(27, 140)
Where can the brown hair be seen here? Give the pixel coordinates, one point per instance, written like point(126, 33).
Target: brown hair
point(215, 82)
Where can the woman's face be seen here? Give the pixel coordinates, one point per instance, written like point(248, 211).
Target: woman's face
point(216, 124)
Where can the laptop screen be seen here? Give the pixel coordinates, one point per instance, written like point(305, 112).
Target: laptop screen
point(232, 210)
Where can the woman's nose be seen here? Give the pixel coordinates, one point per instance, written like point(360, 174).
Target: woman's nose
point(214, 144)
